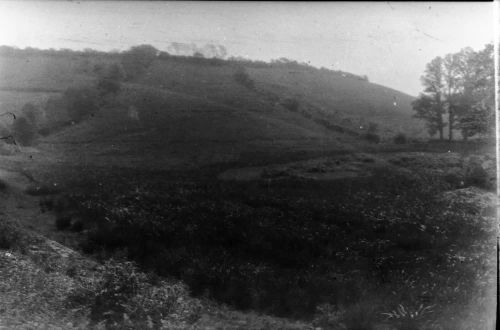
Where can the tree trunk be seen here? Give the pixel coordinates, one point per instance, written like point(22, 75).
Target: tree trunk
point(451, 119)
point(440, 117)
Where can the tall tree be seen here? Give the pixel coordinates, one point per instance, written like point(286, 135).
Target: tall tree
point(458, 68)
point(429, 105)
point(137, 59)
point(461, 86)
point(479, 95)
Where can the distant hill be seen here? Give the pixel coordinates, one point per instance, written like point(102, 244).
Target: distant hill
point(209, 110)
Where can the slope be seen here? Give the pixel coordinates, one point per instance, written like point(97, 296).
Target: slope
point(186, 111)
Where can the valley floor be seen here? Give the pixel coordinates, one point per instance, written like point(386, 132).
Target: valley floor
point(346, 241)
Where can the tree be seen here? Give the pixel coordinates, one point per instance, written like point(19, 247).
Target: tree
point(458, 69)
point(80, 103)
point(241, 76)
point(109, 81)
point(460, 85)
point(479, 95)
point(429, 105)
point(198, 55)
point(137, 59)
point(428, 109)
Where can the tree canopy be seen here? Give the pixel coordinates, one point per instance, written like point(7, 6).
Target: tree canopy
point(137, 59)
point(459, 88)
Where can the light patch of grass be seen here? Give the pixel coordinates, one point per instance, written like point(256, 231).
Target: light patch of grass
point(33, 298)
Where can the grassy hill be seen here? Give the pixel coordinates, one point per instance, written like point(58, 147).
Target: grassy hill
point(202, 113)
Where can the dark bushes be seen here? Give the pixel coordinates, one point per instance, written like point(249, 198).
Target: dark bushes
point(63, 222)
point(372, 137)
point(291, 104)
point(477, 176)
point(242, 78)
point(137, 59)
point(120, 296)
point(400, 138)
point(109, 81)
point(272, 248)
point(80, 103)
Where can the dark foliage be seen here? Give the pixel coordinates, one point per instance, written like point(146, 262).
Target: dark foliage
point(372, 137)
point(287, 247)
point(63, 222)
point(400, 138)
point(242, 78)
point(291, 104)
point(109, 81)
point(137, 59)
point(80, 103)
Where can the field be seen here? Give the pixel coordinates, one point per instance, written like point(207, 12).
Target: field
point(406, 228)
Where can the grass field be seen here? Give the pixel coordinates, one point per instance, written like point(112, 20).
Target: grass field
point(414, 230)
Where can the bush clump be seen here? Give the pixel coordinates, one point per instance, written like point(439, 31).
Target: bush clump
point(80, 103)
point(400, 138)
point(243, 78)
point(137, 60)
point(476, 175)
point(291, 104)
point(63, 222)
point(109, 81)
point(122, 297)
point(372, 137)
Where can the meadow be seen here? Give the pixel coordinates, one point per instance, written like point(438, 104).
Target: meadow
point(359, 252)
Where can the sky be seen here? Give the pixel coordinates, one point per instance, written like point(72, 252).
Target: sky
point(390, 42)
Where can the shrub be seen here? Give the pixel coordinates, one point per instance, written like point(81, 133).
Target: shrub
point(476, 175)
point(372, 137)
point(242, 78)
point(108, 86)
point(10, 235)
point(46, 204)
point(372, 128)
point(137, 59)
point(291, 104)
point(123, 297)
point(109, 81)
point(400, 138)
point(80, 103)
point(78, 225)
point(63, 222)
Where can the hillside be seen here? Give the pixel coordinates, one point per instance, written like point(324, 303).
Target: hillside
point(203, 109)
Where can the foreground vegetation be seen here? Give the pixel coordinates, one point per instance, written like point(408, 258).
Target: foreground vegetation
point(357, 252)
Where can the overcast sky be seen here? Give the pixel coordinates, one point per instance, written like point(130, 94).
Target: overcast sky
point(389, 42)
